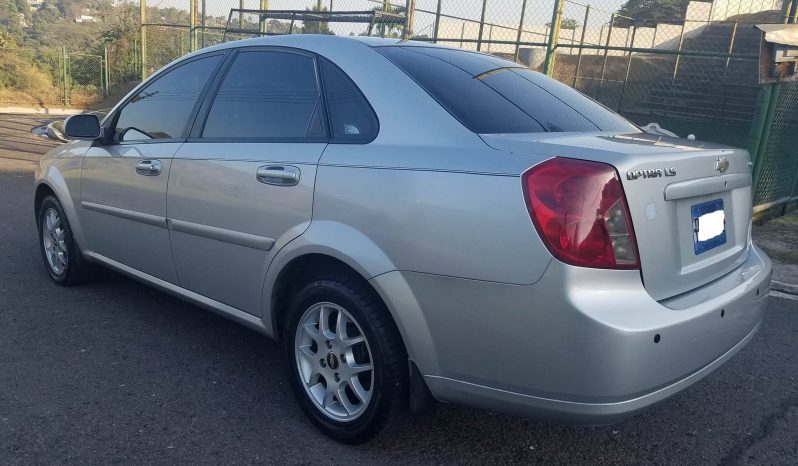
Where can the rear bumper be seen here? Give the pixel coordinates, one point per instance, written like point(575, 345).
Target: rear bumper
point(575, 412)
point(581, 345)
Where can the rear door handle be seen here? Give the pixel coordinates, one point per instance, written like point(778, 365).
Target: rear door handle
point(278, 175)
point(148, 167)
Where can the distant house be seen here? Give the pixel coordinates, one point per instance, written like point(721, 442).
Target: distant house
point(86, 19)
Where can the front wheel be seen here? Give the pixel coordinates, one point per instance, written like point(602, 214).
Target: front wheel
point(63, 260)
point(346, 360)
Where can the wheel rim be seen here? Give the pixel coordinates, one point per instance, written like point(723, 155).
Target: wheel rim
point(53, 237)
point(334, 361)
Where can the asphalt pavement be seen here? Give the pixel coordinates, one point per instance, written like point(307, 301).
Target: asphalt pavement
point(116, 372)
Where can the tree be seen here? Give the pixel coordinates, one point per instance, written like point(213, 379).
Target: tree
point(567, 23)
point(651, 11)
point(316, 27)
point(390, 29)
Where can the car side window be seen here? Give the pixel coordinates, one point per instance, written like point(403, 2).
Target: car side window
point(267, 95)
point(162, 109)
point(351, 118)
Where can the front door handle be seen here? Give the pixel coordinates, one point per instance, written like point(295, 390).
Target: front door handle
point(278, 175)
point(148, 167)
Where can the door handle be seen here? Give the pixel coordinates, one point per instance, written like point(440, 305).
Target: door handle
point(148, 167)
point(278, 175)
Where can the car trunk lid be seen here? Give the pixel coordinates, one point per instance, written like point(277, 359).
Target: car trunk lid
point(690, 201)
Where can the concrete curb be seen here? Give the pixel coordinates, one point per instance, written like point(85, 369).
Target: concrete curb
point(41, 110)
point(788, 288)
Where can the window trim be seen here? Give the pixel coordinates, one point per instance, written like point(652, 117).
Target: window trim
point(110, 128)
point(195, 135)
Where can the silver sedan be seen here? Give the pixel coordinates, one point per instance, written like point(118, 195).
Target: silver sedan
point(416, 223)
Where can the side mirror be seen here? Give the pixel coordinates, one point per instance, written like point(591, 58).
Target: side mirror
point(82, 127)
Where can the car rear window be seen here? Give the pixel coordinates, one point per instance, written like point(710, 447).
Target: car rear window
point(489, 95)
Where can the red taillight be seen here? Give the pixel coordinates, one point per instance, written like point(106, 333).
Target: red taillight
point(580, 212)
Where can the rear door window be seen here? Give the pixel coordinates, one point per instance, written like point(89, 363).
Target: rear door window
point(267, 95)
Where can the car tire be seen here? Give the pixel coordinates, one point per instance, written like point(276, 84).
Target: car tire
point(62, 258)
point(355, 408)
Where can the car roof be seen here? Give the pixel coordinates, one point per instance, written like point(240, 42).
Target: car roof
point(311, 41)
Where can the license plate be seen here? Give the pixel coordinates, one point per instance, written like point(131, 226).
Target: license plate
point(709, 225)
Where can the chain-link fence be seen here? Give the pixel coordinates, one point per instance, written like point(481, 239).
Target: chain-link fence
point(776, 170)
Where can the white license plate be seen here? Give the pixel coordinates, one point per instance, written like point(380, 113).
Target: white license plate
point(709, 225)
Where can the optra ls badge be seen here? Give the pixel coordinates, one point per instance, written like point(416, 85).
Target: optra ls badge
point(650, 173)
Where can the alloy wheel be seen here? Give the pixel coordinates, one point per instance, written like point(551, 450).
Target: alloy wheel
point(53, 237)
point(334, 361)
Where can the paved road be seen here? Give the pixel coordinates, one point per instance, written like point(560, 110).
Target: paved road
point(115, 372)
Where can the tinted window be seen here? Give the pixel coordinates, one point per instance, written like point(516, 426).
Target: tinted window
point(266, 95)
point(476, 105)
point(351, 117)
point(597, 114)
point(490, 95)
point(163, 108)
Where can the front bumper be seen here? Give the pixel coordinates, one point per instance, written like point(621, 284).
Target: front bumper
point(581, 345)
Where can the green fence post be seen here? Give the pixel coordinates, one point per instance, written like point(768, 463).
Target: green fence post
point(437, 21)
point(262, 23)
point(107, 72)
point(143, 16)
point(520, 30)
point(761, 128)
point(606, 52)
point(192, 25)
point(202, 22)
point(786, 10)
point(581, 43)
point(410, 9)
point(481, 24)
point(678, 55)
point(65, 72)
point(628, 68)
point(554, 36)
point(102, 76)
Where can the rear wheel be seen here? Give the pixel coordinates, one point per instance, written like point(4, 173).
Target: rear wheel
point(347, 363)
point(63, 260)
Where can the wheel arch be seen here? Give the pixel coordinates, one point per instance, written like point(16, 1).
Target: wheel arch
point(52, 181)
point(332, 244)
point(42, 190)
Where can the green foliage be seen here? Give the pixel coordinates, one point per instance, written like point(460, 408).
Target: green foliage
point(18, 72)
point(387, 29)
point(567, 23)
point(316, 27)
point(651, 11)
